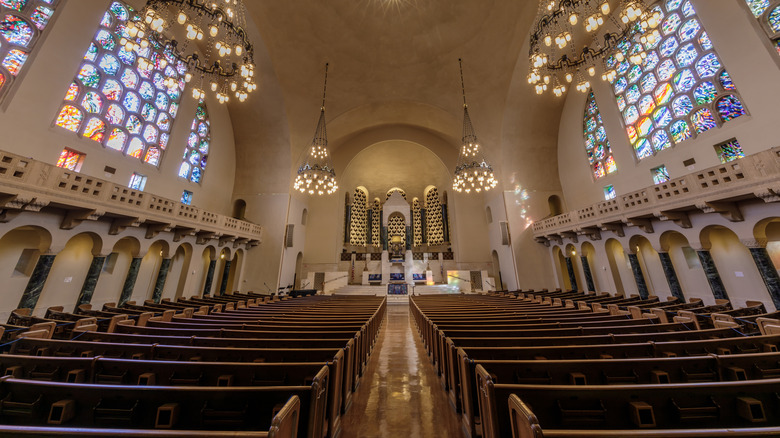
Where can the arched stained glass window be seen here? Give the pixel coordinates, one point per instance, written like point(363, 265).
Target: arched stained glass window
point(21, 24)
point(597, 147)
point(768, 15)
point(124, 99)
point(683, 89)
point(196, 152)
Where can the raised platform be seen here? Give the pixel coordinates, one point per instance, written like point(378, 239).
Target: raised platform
point(382, 291)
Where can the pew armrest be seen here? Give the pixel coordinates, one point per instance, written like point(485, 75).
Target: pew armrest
point(285, 422)
point(524, 422)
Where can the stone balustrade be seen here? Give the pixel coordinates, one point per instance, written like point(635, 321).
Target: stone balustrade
point(29, 185)
point(716, 189)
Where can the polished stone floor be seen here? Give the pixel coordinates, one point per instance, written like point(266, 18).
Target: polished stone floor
point(400, 394)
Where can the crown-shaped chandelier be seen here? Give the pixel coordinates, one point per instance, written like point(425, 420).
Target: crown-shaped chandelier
point(209, 37)
point(472, 172)
point(316, 174)
point(569, 37)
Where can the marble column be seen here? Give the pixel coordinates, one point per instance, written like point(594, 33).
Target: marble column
point(165, 266)
point(588, 273)
point(88, 288)
point(209, 277)
point(713, 277)
point(641, 286)
point(38, 278)
point(225, 274)
point(768, 272)
point(132, 275)
point(572, 277)
point(671, 276)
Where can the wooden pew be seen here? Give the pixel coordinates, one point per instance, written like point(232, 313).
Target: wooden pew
point(715, 405)
point(283, 425)
point(32, 403)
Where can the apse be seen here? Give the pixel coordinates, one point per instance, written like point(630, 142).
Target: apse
point(409, 166)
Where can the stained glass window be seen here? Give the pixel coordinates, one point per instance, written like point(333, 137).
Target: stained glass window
point(125, 93)
point(196, 152)
point(186, 197)
point(684, 90)
point(597, 147)
point(609, 192)
point(769, 18)
point(660, 174)
point(21, 24)
point(729, 150)
point(71, 160)
point(137, 181)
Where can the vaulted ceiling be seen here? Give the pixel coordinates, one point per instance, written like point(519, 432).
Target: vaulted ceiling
point(392, 63)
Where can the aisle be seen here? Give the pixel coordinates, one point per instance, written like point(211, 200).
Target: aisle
point(400, 394)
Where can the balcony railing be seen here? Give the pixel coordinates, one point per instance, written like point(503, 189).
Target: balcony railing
point(754, 176)
point(29, 185)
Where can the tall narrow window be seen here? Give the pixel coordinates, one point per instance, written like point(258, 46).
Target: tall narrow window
point(124, 99)
point(22, 22)
point(358, 221)
point(417, 231)
point(376, 220)
point(198, 142)
point(596, 143)
point(679, 90)
point(434, 220)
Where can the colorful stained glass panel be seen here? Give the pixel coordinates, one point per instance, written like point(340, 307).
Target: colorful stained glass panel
point(729, 151)
point(15, 30)
point(70, 118)
point(14, 61)
point(730, 107)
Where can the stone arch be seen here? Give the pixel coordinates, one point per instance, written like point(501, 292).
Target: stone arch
point(560, 268)
point(618, 264)
point(588, 251)
point(650, 265)
point(736, 269)
point(178, 273)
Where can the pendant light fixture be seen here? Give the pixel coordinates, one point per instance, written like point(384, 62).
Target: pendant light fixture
point(315, 174)
point(472, 172)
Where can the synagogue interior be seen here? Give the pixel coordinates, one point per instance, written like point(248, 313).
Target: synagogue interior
point(370, 218)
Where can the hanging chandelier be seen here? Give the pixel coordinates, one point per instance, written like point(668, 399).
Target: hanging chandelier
point(472, 171)
point(209, 37)
point(316, 174)
point(569, 37)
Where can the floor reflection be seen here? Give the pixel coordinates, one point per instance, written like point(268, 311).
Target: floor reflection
point(400, 394)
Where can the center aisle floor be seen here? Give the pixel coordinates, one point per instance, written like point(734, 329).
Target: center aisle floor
point(400, 394)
